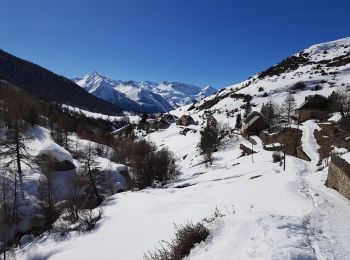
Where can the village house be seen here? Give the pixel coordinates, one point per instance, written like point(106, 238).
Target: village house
point(185, 120)
point(254, 123)
point(157, 123)
point(169, 118)
point(125, 131)
point(314, 107)
point(161, 123)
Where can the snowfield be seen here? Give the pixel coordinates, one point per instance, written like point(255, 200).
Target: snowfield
point(270, 213)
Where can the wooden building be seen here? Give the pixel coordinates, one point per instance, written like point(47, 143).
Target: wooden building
point(254, 123)
point(185, 120)
point(314, 107)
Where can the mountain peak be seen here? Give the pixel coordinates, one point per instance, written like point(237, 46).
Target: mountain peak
point(95, 73)
point(154, 97)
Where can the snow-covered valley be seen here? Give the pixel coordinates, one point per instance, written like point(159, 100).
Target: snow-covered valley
point(266, 211)
point(269, 213)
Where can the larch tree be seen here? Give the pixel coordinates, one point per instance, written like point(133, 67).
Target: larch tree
point(90, 170)
point(339, 101)
point(288, 107)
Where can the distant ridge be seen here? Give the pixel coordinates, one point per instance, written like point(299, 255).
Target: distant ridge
point(49, 86)
point(142, 96)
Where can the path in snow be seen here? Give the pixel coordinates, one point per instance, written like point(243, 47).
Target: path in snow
point(308, 141)
point(329, 222)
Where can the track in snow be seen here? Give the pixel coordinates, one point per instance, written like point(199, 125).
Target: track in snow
point(330, 219)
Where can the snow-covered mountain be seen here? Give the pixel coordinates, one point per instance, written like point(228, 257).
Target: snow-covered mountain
point(143, 96)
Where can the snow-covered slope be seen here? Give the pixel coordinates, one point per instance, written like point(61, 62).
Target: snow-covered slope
point(322, 68)
point(143, 96)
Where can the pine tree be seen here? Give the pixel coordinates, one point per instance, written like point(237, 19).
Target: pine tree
point(271, 112)
point(209, 142)
point(238, 121)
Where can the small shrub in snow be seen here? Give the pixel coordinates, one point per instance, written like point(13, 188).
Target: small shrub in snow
point(186, 237)
point(88, 218)
point(216, 214)
point(150, 166)
point(317, 87)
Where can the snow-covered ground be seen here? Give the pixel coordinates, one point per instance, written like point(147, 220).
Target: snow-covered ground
point(270, 213)
point(132, 118)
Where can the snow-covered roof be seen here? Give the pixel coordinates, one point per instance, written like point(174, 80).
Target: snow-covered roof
point(246, 125)
point(311, 100)
point(251, 115)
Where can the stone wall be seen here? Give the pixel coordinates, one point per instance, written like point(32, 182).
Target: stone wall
point(339, 176)
point(302, 155)
point(305, 115)
point(290, 137)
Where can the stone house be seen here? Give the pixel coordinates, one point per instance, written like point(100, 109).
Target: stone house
point(254, 123)
point(157, 123)
point(314, 107)
point(185, 120)
point(169, 118)
point(161, 123)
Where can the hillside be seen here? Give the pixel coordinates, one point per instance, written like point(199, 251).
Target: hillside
point(320, 68)
point(265, 211)
point(49, 86)
point(143, 96)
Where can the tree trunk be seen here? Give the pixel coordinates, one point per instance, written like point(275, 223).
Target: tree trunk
point(284, 157)
point(14, 212)
point(18, 160)
point(93, 184)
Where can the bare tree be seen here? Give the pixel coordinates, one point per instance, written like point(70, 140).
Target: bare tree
point(339, 101)
point(91, 170)
point(14, 151)
point(288, 107)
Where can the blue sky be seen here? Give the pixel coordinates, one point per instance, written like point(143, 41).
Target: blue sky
point(213, 43)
